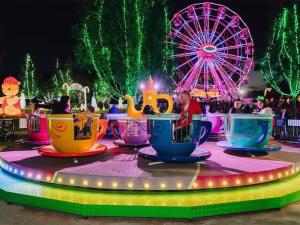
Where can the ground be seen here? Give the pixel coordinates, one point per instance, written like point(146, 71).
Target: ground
point(19, 215)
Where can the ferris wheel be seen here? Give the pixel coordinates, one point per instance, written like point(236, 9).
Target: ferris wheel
point(212, 49)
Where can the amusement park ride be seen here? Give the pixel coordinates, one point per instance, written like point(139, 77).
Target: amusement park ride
point(148, 172)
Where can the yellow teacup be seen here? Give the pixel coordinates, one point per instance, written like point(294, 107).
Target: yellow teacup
point(75, 133)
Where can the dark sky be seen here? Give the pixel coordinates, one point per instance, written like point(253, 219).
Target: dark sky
point(44, 27)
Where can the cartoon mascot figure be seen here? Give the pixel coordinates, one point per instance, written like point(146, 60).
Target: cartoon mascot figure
point(10, 102)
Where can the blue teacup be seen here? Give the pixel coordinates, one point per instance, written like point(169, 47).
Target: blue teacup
point(248, 130)
point(161, 129)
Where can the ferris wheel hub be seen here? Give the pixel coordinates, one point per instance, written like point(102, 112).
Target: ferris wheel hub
point(210, 48)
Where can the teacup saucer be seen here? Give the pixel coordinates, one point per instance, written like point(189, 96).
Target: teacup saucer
point(198, 155)
point(122, 144)
point(36, 142)
point(50, 151)
point(268, 148)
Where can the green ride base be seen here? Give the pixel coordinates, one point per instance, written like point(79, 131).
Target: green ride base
point(179, 204)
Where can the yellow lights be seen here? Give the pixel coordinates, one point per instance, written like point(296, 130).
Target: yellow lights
point(85, 182)
point(48, 178)
point(271, 177)
point(250, 180)
point(146, 185)
point(59, 180)
point(130, 185)
point(72, 181)
point(195, 185)
point(287, 173)
point(115, 184)
point(297, 169)
point(279, 175)
point(210, 184)
point(224, 183)
point(238, 182)
point(99, 184)
point(179, 185)
point(163, 185)
point(261, 178)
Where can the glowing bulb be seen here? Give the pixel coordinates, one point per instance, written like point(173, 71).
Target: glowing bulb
point(146, 185)
point(261, 178)
point(156, 86)
point(130, 185)
point(179, 185)
point(85, 182)
point(99, 184)
point(297, 169)
point(224, 183)
point(238, 182)
point(39, 176)
point(142, 86)
point(72, 181)
point(48, 178)
point(271, 177)
point(195, 184)
point(210, 184)
point(250, 180)
point(279, 175)
point(115, 184)
point(22, 173)
point(286, 173)
point(163, 185)
point(59, 180)
point(15, 171)
point(29, 175)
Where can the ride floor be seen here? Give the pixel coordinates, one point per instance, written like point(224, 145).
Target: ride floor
point(119, 183)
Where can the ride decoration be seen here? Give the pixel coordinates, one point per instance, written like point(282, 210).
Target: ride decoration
point(10, 102)
point(78, 87)
point(213, 48)
point(150, 97)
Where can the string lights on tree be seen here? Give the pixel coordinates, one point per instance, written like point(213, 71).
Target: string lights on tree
point(30, 87)
point(62, 75)
point(281, 63)
point(118, 47)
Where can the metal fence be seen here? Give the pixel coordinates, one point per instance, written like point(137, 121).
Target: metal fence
point(12, 128)
point(287, 129)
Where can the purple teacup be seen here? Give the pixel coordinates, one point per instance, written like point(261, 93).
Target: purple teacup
point(216, 121)
point(131, 131)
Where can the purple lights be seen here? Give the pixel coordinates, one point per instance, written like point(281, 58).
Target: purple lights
point(213, 49)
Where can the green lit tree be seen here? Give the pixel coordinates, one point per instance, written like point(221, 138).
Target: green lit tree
point(61, 75)
point(123, 41)
point(28, 74)
point(281, 63)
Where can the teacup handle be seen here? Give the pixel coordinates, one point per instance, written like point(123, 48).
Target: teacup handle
point(113, 126)
point(264, 133)
point(169, 100)
point(206, 126)
point(103, 123)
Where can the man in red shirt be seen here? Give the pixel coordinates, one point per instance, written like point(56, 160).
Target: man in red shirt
point(189, 107)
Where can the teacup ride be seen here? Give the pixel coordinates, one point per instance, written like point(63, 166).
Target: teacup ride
point(248, 133)
point(166, 148)
point(217, 121)
point(37, 129)
point(71, 136)
point(130, 133)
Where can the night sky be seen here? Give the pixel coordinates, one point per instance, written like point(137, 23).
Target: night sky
point(44, 28)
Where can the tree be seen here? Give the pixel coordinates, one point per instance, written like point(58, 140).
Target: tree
point(281, 63)
point(123, 41)
point(62, 74)
point(28, 74)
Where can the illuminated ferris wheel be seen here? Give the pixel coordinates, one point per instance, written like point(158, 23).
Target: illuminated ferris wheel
point(212, 49)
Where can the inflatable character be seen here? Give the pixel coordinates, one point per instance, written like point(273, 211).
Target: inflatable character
point(10, 102)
